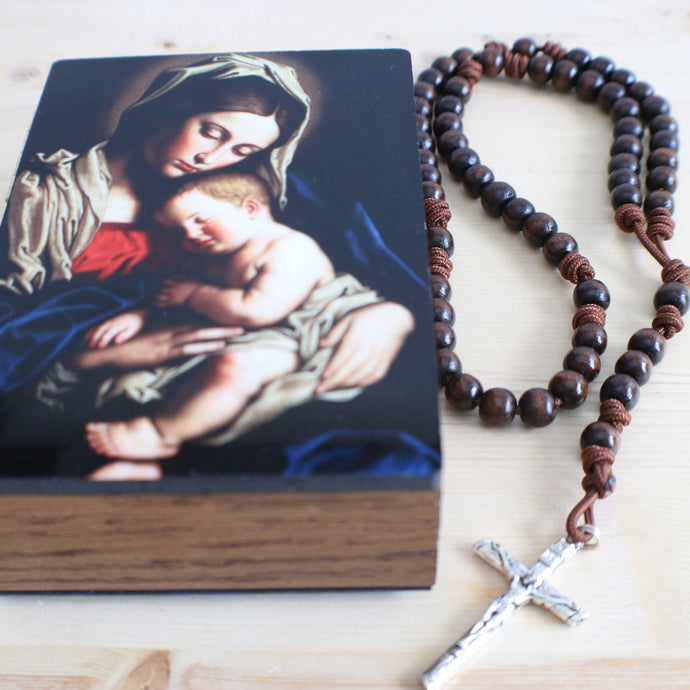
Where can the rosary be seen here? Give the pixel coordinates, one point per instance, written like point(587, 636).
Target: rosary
point(441, 93)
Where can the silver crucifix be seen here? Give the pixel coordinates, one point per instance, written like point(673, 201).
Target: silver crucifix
point(527, 586)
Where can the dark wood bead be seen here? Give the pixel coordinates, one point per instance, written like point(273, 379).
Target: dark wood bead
point(476, 179)
point(629, 125)
point(624, 160)
point(640, 90)
point(623, 176)
point(497, 407)
point(600, 434)
point(423, 89)
point(591, 335)
point(425, 141)
point(442, 311)
point(658, 157)
point(440, 287)
point(563, 75)
point(658, 199)
point(431, 76)
point(447, 122)
point(433, 190)
point(661, 122)
point(423, 123)
point(649, 341)
point(449, 104)
point(623, 76)
point(626, 194)
point(430, 173)
point(516, 213)
point(458, 86)
point(422, 106)
point(461, 160)
point(538, 228)
point(624, 107)
point(463, 392)
point(525, 46)
point(444, 334)
point(580, 57)
point(450, 141)
point(537, 407)
point(673, 293)
point(664, 139)
point(448, 365)
point(627, 143)
point(591, 292)
point(620, 387)
point(653, 106)
point(496, 196)
point(446, 65)
point(539, 68)
point(662, 177)
point(427, 157)
point(557, 246)
point(584, 360)
point(603, 65)
point(635, 364)
point(609, 94)
point(438, 236)
point(588, 85)
point(570, 387)
point(491, 61)
point(462, 54)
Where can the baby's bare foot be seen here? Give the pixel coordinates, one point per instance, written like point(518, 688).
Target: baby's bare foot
point(133, 439)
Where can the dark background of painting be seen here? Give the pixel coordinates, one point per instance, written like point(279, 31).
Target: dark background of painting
point(359, 147)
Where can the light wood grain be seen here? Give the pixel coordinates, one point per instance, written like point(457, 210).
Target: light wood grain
point(513, 319)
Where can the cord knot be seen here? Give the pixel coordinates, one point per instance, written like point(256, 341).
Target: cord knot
point(630, 218)
point(437, 213)
point(675, 271)
point(668, 320)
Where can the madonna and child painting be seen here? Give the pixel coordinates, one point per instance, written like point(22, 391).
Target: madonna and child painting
point(215, 266)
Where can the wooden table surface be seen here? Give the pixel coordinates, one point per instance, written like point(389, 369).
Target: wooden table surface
point(514, 485)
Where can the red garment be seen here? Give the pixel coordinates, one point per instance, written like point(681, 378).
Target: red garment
point(120, 249)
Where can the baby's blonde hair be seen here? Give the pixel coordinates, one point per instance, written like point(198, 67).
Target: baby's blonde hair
point(233, 187)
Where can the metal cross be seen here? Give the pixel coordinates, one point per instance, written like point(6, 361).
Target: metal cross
point(527, 586)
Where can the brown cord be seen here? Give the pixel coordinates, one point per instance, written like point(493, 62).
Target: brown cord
point(613, 412)
point(660, 224)
point(576, 268)
point(554, 50)
point(583, 508)
point(470, 70)
point(439, 262)
point(589, 313)
point(437, 213)
point(515, 65)
point(596, 455)
point(630, 218)
point(675, 271)
point(668, 320)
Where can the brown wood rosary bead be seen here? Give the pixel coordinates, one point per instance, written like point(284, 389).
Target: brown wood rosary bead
point(629, 125)
point(663, 122)
point(537, 407)
point(461, 160)
point(590, 335)
point(432, 190)
point(557, 246)
point(497, 407)
point(580, 57)
point(588, 85)
point(458, 86)
point(450, 141)
point(600, 434)
point(626, 143)
point(442, 311)
point(603, 65)
point(675, 294)
point(463, 392)
point(476, 179)
point(516, 212)
point(624, 160)
point(430, 173)
point(563, 75)
point(496, 196)
point(539, 68)
point(635, 364)
point(446, 65)
point(621, 387)
point(664, 139)
point(583, 360)
point(626, 194)
point(525, 46)
point(444, 335)
point(653, 106)
point(448, 365)
point(624, 107)
point(640, 90)
point(662, 157)
point(440, 287)
point(447, 122)
point(662, 177)
point(438, 236)
point(623, 176)
point(649, 341)
point(427, 157)
point(538, 228)
point(658, 199)
point(570, 387)
point(609, 94)
point(591, 292)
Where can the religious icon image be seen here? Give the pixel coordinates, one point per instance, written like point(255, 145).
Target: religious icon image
point(200, 276)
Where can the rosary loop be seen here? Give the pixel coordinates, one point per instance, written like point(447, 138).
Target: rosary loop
point(645, 140)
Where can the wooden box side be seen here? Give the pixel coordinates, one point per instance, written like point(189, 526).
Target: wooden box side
point(248, 541)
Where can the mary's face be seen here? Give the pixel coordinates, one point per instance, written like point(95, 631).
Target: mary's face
point(209, 141)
